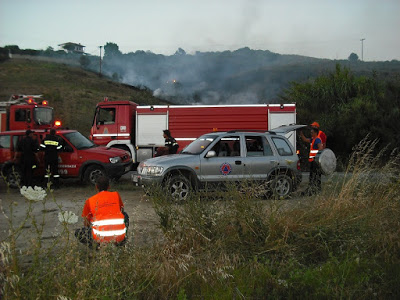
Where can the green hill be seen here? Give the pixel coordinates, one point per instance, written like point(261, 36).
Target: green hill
point(72, 91)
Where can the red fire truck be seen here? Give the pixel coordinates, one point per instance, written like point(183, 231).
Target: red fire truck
point(26, 112)
point(139, 129)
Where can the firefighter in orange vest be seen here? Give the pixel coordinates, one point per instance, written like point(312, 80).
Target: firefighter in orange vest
point(314, 185)
point(321, 135)
point(104, 217)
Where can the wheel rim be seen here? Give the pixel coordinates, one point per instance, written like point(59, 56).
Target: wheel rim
point(94, 175)
point(282, 186)
point(179, 190)
point(14, 179)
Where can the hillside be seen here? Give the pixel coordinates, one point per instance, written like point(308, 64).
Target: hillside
point(72, 91)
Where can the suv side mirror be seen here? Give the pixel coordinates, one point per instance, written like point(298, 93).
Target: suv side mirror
point(211, 153)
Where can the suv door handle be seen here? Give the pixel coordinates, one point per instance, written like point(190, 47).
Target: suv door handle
point(238, 162)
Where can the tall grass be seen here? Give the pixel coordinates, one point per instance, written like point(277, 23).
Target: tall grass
point(343, 243)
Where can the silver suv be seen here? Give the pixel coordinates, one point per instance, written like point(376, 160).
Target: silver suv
point(266, 158)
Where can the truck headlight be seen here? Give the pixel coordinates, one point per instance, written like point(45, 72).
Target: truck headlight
point(115, 160)
point(151, 170)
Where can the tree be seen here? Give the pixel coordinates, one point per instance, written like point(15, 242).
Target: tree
point(353, 57)
point(180, 51)
point(111, 50)
point(349, 107)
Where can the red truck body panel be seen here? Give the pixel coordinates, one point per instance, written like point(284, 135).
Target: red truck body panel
point(140, 127)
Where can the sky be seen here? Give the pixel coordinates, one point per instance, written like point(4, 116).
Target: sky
point(330, 29)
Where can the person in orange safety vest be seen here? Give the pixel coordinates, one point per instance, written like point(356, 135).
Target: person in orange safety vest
point(321, 135)
point(104, 218)
point(314, 185)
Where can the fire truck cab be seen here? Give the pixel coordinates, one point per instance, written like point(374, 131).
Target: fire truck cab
point(139, 129)
point(26, 112)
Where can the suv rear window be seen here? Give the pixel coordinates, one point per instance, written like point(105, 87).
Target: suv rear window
point(282, 146)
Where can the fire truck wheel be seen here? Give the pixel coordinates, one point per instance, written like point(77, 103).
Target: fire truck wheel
point(179, 187)
point(13, 177)
point(92, 173)
point(281, 186)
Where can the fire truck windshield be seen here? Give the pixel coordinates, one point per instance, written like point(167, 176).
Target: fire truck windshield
point(43, 115)
point(79, 141)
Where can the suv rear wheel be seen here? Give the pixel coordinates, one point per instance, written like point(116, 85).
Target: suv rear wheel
point(92, 173)
point(179, 187)
point(281, 185)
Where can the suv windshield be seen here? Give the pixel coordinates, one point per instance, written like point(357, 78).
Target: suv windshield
point(198, 146)
point(43, 115)
point(79, 141)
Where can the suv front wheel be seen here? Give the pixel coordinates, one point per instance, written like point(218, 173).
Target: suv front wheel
point(179, 187)
point(92, 173)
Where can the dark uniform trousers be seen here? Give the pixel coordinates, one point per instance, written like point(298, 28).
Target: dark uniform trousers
point(51, 145)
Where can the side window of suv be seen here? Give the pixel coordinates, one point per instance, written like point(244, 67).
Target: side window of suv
point(282, 146)
point(258, 146)
point(5, 141)
point(227, 146)
point(254, 146)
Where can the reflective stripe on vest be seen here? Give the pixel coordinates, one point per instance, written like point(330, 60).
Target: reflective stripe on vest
point(109, 233)
point(313, 151)
point(108, 222)
point(51, 143)
point(109, 230)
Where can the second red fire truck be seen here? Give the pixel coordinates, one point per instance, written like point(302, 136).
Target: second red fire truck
point(139, 129)
point(26, 112)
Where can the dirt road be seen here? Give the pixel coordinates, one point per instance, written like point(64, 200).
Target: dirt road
point(40, 219)
point(32, 220)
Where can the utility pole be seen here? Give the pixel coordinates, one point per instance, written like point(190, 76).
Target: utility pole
point(362, 49)
point(100, 60)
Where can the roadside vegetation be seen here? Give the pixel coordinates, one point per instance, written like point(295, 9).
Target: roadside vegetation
point(345, 243)
point(348, 107)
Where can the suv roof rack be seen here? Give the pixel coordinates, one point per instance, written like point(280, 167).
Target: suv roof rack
point(245, 130)
point(250, 130)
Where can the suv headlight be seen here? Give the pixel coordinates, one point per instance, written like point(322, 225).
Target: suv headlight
point(115, 160)
point(151, 170)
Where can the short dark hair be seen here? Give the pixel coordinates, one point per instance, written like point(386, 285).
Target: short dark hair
point(102, 183)
point(52, 131)
point(167, 133)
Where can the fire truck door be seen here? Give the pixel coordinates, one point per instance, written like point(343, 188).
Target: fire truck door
point(106, 128)
point(276, 119)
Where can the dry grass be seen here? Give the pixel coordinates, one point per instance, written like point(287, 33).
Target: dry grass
point(345, 243)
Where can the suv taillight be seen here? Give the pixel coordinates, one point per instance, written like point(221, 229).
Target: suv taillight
point(298, 165)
